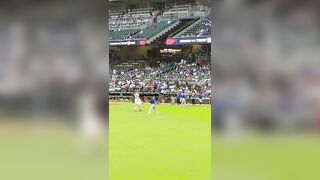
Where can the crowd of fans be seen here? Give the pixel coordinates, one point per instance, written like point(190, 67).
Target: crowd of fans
point(188, 76)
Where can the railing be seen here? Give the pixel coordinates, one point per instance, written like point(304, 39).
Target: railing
point(142, 9)
point(126, 27)
point(175, 15)
point(118, 11)
point(187, 11)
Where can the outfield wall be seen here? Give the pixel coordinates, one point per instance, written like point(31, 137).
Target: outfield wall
point(164, 98)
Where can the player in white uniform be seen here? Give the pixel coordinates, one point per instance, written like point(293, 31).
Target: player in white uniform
point(137, 102)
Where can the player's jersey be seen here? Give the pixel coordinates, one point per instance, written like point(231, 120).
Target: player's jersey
point(153, 101)
point(137, 99)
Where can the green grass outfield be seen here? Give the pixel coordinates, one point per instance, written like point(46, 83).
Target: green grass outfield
point(176, 145)
point(172, 145)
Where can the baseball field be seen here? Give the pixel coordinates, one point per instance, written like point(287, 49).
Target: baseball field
point(173, 144)
point(176, 144)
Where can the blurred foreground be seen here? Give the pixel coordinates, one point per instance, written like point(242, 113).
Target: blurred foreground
point(266, 105)
point(35, 151)
point(53, 94)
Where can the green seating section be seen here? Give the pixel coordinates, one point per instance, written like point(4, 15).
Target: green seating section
point(202, 28)
point(122, 34)
point(149, 32)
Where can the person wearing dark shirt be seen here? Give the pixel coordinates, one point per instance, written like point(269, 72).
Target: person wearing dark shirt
point(153, 103)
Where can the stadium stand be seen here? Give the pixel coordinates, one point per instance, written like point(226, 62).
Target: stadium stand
point(153, 29)
point(177, 12)
point(117, 12)
point(131, 19)
point(162, 77)
point(199, 29)
point(122, 34)
point(151, 24)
